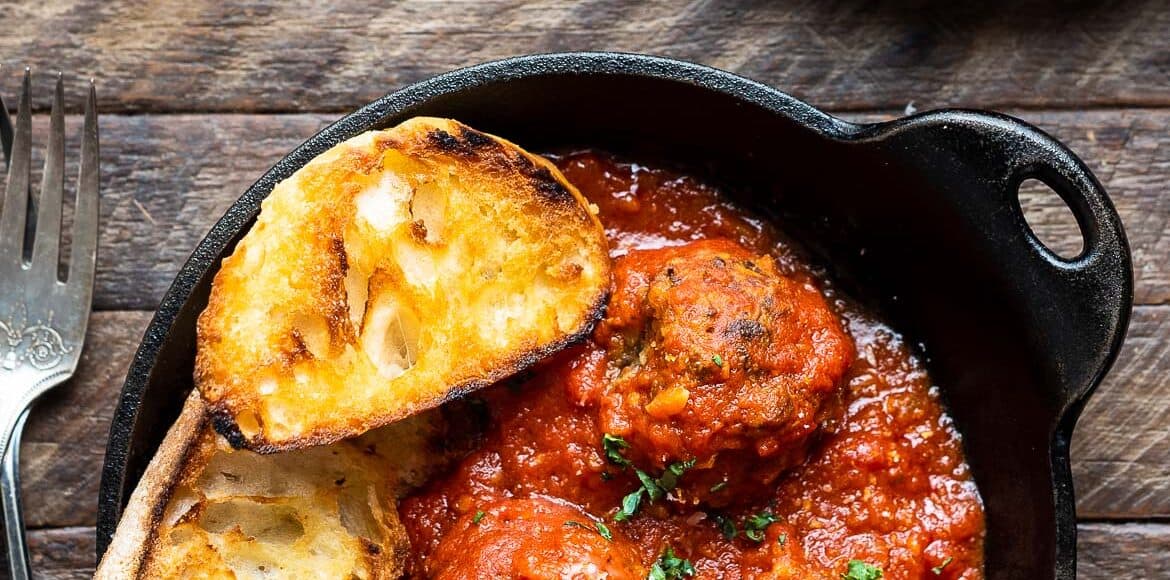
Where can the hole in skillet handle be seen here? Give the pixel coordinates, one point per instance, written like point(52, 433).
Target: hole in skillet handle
point(1051, 221)
point(1062, 209)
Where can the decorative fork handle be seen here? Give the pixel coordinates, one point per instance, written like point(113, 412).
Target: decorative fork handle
point(18, 561)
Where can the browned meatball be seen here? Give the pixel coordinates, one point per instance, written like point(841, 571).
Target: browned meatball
point(533, 538)
point(718, 358)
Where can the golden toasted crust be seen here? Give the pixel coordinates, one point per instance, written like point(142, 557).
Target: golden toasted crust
point(205, 510)
point(395, 271)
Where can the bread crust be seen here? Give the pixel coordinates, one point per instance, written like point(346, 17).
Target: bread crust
point(136, 530)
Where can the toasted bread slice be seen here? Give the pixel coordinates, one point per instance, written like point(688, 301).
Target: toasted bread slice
point(205, 510)
point(393, 272)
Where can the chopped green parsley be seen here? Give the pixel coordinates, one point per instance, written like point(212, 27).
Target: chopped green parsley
point(726, 526)
point(651, 487)
point(670, 567)
point(478, 517)
point(601, 529)
point(859, 570)
point(754, 526)
point(613, 446)
point(939, 569)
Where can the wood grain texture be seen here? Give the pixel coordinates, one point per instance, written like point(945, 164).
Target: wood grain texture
point(167, 178)
point(1134, 550)
point(1121, 447)
point(190, 55)
point(59, 554)
point(1105, 551)
point(1119, 453)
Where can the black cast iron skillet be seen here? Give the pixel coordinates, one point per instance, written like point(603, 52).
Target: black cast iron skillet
point(918, 217)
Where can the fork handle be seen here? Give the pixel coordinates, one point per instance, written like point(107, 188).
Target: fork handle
point(18, 566)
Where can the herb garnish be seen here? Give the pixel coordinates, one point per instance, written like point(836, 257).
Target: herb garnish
point(939, 569)
point(613, 446)
point(718, 486)
point(755, 525)
point(629, 507)
point(601, 529)
point(669, 479)
point(478, 517)
point(782, 539)
point(670, 567)
point(655, 489)
point(718, 360)
point(859, 570)
point(727, 526)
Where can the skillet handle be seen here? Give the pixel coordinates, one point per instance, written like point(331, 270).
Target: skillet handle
point(1096, 296)
point(1070, 315)
point(1078, 307)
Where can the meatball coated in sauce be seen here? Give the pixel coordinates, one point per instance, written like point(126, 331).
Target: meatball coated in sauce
point(533, 538)
point(715, 357)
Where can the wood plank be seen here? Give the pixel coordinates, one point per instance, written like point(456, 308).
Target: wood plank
point(1121, 446)
point(59, 554)
point(190, 55)
point(1119, 451)
point(1104, 550)
point(1134, 550)
point(167, 178)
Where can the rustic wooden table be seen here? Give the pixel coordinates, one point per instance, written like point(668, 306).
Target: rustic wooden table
point(198, 99)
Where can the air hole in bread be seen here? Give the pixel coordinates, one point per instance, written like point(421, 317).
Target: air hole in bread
point(354, 505)
point(390, 336)
point(382, 205)
point(313, 331)
point(248, 422)
point(357, 292)
point(428, 209)
point(268, 523)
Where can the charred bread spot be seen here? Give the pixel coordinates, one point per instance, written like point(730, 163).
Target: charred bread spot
point(444, 141)
point(337, 248)
point(221, 420)
point(475, 139)
point(469, 142)
point(370, 547)
point(418, 231)
point(549, 187)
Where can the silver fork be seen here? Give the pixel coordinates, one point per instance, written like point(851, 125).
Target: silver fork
point(42, 319)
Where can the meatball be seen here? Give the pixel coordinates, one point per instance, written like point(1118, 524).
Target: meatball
point(717, 358)
point(533, 538)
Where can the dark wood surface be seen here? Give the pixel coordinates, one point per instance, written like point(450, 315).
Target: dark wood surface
point(199, 98)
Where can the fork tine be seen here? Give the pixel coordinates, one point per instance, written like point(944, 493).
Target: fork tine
point(5, 132)
point(85, 218)
point(12, 220)
point(48, 236)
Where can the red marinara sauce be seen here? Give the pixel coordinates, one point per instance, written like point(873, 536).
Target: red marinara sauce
point(805, 433)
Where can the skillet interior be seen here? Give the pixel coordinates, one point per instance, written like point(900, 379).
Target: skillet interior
point(917, 217)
